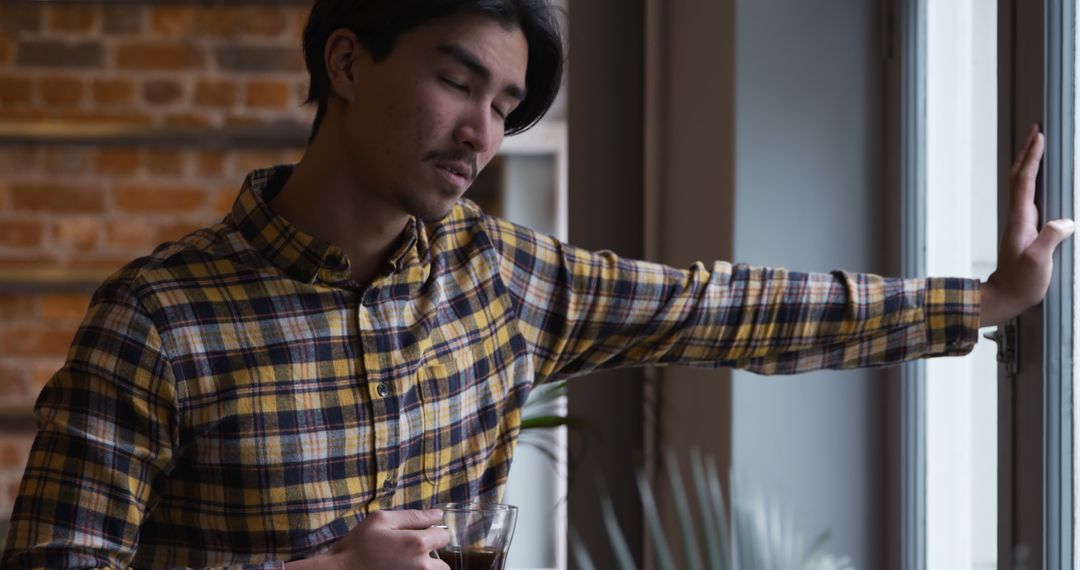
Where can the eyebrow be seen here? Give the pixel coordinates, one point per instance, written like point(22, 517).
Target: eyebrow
point(466, 58)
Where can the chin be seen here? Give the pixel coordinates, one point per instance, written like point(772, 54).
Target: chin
point(431, 211)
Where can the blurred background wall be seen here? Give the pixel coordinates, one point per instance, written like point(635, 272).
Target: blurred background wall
point(105, 115)
point(125, 124)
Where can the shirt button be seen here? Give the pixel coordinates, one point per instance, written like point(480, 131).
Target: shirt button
point(370, 297)
point(382, 389)
point(388, 484)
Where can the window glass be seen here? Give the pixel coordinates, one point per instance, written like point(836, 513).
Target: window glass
point(961, 393)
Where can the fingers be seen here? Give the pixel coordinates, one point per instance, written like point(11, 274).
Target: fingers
point(1032, 132)
point(1022, 214)
point(434, 538)
point(409, 519)
point(1025, 169)
point(1052, 234)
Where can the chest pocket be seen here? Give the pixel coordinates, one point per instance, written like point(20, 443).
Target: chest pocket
point(460, 400)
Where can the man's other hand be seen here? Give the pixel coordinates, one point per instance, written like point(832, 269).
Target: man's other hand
point(391, 539)
point(1025, 258)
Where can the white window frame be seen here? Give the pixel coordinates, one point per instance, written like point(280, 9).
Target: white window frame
point(1036, 506)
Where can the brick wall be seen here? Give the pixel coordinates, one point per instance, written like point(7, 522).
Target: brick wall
point(85, 209)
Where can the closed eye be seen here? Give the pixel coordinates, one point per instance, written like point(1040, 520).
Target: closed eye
point(455, 85)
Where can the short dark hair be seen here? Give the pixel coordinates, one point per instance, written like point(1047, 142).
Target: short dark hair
point(378, 24)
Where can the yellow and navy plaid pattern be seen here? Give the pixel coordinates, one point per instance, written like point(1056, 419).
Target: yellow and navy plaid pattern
point(233, 399)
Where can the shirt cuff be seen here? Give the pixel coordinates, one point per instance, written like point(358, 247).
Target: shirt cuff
point(951, 307)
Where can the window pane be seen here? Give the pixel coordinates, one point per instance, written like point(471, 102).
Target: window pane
point(1076, 295)
point(961, 394)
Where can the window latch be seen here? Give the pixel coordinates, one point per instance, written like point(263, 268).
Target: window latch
point(1007, 346)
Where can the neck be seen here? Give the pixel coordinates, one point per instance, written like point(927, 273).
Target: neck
point(323, 198)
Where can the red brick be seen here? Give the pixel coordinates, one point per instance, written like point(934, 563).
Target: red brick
point(12, 455)
point(117, 161)
point(64, 305)
point(100, 264)
point(75, 160)
point(301, 90)
point(224, 199)
point(215, 93)
point(299, 18)
point(61, 91)
point(173, 21)
point(262, 21)
point(259, 58)
point(12, 382)
point(114, 91)
point(164, 162)
point(21, 233)
point(175, 231)
point(57, 54)
point(244, 161)
point(220, 22)
point(162, 92)
point(12, 493)
point(268, 94)
point(37, 340)
point(71, 18)
point(41, 371)
point(132, 235)
point(13, 306)
point(20, 159)
point(80, 234)
point(56, 198)
point(210, 163)
point(151, 56)
point(16, 18)
point(15, 91)
point(149, 199)
point(122, 19)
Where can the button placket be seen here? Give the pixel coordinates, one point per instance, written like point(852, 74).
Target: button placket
point(379, 393)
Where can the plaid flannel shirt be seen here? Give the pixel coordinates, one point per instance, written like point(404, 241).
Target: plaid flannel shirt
point(233, 399)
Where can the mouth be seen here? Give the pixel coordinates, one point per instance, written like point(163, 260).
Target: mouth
point(456, 174)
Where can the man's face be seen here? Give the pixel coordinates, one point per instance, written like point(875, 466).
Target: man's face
point(428, 118)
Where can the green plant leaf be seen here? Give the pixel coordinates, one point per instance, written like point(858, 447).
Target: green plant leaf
point(581, 554)
point(656, 528)
point(691, 555)
point(550, 421)
point(615, 535)
point(715, 536)
point(758, 533)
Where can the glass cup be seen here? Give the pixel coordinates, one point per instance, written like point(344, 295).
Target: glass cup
point(480, 535)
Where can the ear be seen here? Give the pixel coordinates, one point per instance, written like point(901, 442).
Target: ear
point(341, 55)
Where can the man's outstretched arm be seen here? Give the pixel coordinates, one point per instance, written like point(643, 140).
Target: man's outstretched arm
point(1026, 255)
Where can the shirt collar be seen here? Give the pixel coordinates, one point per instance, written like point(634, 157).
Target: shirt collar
point(301, 256)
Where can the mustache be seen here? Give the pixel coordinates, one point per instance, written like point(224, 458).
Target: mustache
point(455, 156)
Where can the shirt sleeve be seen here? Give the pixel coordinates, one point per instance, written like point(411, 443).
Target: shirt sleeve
point(582, 311)
point(106, 434)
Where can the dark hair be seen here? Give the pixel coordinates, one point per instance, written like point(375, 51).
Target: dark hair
point(378, 23)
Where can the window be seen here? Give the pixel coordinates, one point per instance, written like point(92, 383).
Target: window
point(1005, 503)
point(961, 238)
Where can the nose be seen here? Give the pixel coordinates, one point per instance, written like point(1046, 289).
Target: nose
point(476, 131)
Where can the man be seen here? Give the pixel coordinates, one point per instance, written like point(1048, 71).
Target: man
point(353, 344)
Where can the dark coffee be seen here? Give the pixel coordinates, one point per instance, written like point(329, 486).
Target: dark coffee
point(472, 558)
